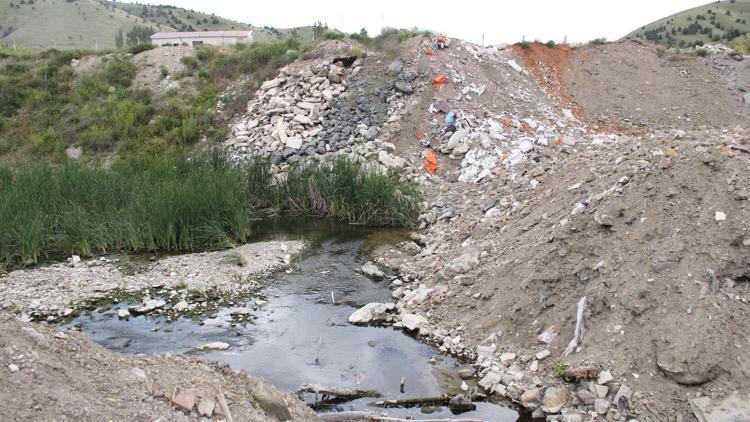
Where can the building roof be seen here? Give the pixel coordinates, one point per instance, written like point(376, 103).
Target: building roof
point(202, 34)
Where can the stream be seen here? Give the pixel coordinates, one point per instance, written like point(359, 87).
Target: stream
point(298, 336)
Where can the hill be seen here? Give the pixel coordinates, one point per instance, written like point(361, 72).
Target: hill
point(721, 21)
point(91, 24)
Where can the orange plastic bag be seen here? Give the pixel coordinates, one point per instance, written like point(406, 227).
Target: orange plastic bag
point(430, 161)
point(429, 51)
point(438, 81)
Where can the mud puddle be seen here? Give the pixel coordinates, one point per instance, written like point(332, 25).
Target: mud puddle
point(299, 335)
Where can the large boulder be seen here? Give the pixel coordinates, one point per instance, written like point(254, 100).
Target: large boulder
point(372, 312)
point(413, 321)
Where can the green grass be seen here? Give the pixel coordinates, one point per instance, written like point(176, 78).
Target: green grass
point(723, 22)
point(177, 203)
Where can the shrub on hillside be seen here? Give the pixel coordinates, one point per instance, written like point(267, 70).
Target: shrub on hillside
point(140, 48)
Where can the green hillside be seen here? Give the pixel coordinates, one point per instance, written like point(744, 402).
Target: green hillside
point(90, 24)
point(722, 21)
point(64, 23)
point(190, 20)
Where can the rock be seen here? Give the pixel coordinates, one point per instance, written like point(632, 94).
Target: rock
point(622, 397)
point(405, 87)
point(206, 407)
point(273, 83)
point(460, 403)
point(456, 139)
point(686, 366)
point(746, 98)
point(604, 218)
point(391, 161)
point(395, 68)
point(217, 345)
point(601, 406)
point(74, 153)
point(604, 378)
point(554, 399)
point(544, 354)
point(413, 321)
point(181, 306)
point(13, 368)
point(408, 75)
point(123, 314)
point(372, 271)
point(490, 379)
point(371, 133)
point(463, 263)
point(303, 120)
point(507, 357)
point(599, 391)
point(466, 373)
point(734, 407)
point(586, 397)
point(271, 401)
point(526, 146)
point(148, 306)
point(139, 374)
point(183, 399)
point(720, 216)
point(464, 386)
point(334, 78)
point(531, 399)
point(372, 312)
point(294, 143)
point(241, 311)
point(582, 372)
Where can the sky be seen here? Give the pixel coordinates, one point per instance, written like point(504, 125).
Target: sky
point(471, 20)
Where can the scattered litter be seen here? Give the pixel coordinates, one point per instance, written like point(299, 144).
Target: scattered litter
point(438, 81)
point(450, 118)
point(720, 216)
point(430, 162)
point(548, 335)
point(515, 66)
point(580, 330)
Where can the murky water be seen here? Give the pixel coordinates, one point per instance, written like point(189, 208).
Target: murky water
point(302, 336)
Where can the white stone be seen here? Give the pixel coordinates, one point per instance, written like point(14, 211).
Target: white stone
point(544, 354)
point(720, 216)
point(413, 321)
point(507, 357)
point(605, 377)
point(217, 345)
point(372, 312)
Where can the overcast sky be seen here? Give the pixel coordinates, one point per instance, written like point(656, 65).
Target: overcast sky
point(499, 21)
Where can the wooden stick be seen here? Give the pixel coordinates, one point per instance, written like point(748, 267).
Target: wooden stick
point(442, 400)
point(342, 393)
point(224, 405)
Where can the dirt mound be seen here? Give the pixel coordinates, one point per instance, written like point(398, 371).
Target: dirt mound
point(54, 375)
point(646, 87)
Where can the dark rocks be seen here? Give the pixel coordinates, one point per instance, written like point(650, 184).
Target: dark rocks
point(460, 404)
point(404, 87)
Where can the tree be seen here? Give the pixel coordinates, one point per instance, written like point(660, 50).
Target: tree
point(363, 32)
point(119, 40)
point(139, 35)
point(319, 30)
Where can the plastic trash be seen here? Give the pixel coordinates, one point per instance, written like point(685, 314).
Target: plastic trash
point(438, 81)
point(430, 162)
point(450, 118)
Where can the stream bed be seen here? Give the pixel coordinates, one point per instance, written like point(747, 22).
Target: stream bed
point(299, 332)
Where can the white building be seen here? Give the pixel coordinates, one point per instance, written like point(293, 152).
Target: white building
point(202, 37)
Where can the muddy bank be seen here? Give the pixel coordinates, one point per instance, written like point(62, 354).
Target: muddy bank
point(208, 279)
point(49, 374)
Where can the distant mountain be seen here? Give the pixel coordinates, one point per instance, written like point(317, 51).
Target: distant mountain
point(89, 24)
point(720, 21)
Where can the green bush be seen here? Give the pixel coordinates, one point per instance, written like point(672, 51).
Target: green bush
point(551, 44)
point(524, 44)
point(140, 48)
point(190, 62)
point(598, 41)
point(333, 35)
point(205, 53)
point(702, 52)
